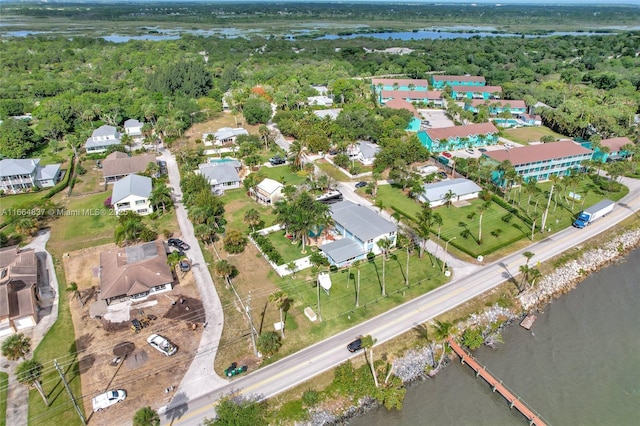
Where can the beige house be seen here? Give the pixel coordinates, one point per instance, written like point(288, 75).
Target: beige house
point(118, 165)
point(268, 191)
point(18, 283)
point(134, 273)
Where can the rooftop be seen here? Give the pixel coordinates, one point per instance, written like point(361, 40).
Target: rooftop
point(361, 221)
point(540, 152)
point(131, 185)
point(444, 133)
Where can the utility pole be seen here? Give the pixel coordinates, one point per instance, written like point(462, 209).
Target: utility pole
point(358, 290)
point(319, 312)
point(66, 385)
point(546, 211)
point(253, 329)
point(407, 274)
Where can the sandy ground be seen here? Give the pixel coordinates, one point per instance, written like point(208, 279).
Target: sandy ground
point(144, 372)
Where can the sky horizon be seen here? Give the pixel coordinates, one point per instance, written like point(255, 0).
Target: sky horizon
point(484, 2)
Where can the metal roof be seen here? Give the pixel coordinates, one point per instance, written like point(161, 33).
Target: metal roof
point(131, 185)
point(436, 191)
point(362, 222)
point(342, 250)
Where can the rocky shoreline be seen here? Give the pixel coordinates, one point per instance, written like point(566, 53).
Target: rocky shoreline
point(415, 364)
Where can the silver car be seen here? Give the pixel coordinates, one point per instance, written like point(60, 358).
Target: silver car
point(162, 344)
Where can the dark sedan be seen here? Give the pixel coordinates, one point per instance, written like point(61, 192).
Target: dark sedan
point(179, 244)
point(355, 346)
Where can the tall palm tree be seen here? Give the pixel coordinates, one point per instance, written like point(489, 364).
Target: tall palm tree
point(367, 344)
point(483, 208)
point(528, 255)
point(29, 372)
point(296, 152)
point(73, 288)
point(224, 269)
point(161, 196)
point(281, 300)
point(437, 220)
point(16, 346)
point(442, 331)
point(264, 135)
point(384, 244)
point(146, 416)
point(252, 218)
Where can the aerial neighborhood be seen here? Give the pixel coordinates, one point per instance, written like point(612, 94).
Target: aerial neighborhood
point(220, 219)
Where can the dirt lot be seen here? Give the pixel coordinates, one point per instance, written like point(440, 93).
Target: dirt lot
point(142, 371)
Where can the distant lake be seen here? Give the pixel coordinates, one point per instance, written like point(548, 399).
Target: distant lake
point(435, 35)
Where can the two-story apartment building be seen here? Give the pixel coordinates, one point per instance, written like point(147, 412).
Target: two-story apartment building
point(497, 106)
point(439, 82)
point(476, 92)
point(361, 230)
point(615, 150)
point(101, 139)
point(132, 193)
point(18, 175)
point(457, 137)
point(402, 84)
point(541, 161)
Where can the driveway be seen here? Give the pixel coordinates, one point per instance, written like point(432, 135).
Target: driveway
point(200, 379)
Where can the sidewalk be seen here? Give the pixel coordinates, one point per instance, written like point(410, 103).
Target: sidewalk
point(48, 292)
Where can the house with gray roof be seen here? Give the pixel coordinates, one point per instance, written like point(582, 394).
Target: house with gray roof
point(362, 227)
point(18, 284)
point(101, 139)
point(436, 193)
point(135, 272)
point(364, 152)
point(132, 193)
point(18, 175)
point(331, 113)
point(133, 128)
point(221, 176)
point(224, 135)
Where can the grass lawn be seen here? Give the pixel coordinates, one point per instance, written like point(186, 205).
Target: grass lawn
point(237, 203)
point(524, 135)
point(4, 382)
point(332, 171)
point(59, 344)
point(283, 174)
point(289, 251)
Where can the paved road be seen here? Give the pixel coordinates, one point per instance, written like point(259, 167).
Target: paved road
point(311, 361)
point(200, 378)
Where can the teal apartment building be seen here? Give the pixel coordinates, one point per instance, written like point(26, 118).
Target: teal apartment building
point(459, 137)
point(439, 82)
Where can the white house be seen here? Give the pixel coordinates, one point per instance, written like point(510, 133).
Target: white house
point(324, 101)
point(101, 139)
point(364, 152)
point(133, 128)
point(18, 283)
point(17, 175)
point(132, 193)
point(436, 193)
point(221, 176)
point(223, 136)
point(361, 229)
point(268, 191)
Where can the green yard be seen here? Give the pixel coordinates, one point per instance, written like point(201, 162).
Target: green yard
point(524, 135)
point(237, 203)
point(4, 383)
point(290, 250)
point(283, 174)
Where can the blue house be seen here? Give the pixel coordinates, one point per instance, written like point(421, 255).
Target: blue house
point(616, 151)
point(439, 82)
point(496, 106)
point(476, 92)
point(458, 137)
point(380, 84)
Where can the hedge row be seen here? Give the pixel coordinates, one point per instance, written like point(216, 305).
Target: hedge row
point(267, 248)
point(64, 183)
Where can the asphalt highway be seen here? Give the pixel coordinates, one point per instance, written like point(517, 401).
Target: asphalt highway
point(305, 364)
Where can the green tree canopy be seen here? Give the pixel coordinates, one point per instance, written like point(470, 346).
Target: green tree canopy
point(17, 139)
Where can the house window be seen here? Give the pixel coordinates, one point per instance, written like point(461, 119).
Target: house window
point(138, 202)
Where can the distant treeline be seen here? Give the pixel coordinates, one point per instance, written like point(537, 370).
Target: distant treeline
point(415, 15)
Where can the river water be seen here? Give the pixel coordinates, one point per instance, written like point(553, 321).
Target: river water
point(578, 365)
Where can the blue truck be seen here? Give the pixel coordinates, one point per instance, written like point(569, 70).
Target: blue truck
point(593, 213)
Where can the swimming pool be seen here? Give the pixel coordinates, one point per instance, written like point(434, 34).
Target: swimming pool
point(506, 122)
point(222, 160)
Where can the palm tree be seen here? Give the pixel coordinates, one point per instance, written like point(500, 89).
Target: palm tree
point(528, 255)
point(379, 204)
point(296, 152)
point(26, 226)
point(264, 135)
point(524, 270)
point(437, 219)
point(534, 217)
point(281, 300)
point(484, 207)
point(146, 416)
point(448, 198)
point(252, 218)
point(16, 346)
point(73, 288)
point(442, 330)
point(29, 372)
point(367, 344)
point(384, 244)
point(224, 269)
point(161, 196)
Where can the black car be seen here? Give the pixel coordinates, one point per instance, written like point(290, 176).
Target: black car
point(443, 175)
point(355, 346)
point(177, 243)
point(277, 160)
point(361, 184)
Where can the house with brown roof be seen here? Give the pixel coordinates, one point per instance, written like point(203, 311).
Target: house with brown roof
point(134, 273)
point(18, 284)
point(457, 137)
point(413, 96)
point(616, 149)
point(402, 104)
point(442, 81)
point(118, 165)
point(496, 106)
point(541, 161)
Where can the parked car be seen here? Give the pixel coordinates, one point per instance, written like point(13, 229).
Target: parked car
point(442, 175)
point(234, 370)
point(482, 150)
point(277, 160)
point(162, 344)
point(355, 346)
point(109, 398)
point(447, 154)
point(185, 265)
point(470, 151)
point(177, 243)
point(361, 184)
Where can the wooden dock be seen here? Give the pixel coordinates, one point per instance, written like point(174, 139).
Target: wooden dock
point(528, 321)
point(497, 385)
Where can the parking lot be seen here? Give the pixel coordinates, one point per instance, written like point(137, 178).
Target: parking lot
point(436, 118)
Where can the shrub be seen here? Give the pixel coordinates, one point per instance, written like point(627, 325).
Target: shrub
point(472, 338)
point(235, 242)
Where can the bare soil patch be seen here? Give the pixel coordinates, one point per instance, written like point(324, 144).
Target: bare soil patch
point(112, 356)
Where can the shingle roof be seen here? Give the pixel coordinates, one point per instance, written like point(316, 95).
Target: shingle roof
point(219, 173)
point(616, 144)
point(118, 164)
point(132, 122)
point(362, 222)
point(131, 185)
point(436, 191)
point(539, 152)
point(499, 102)
point(470, 78)
point(368, 149)
point(19, 277)
point(342, 250)
point(228, 132)
point(133, 270)
point(444, 133)
point(12, 167)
